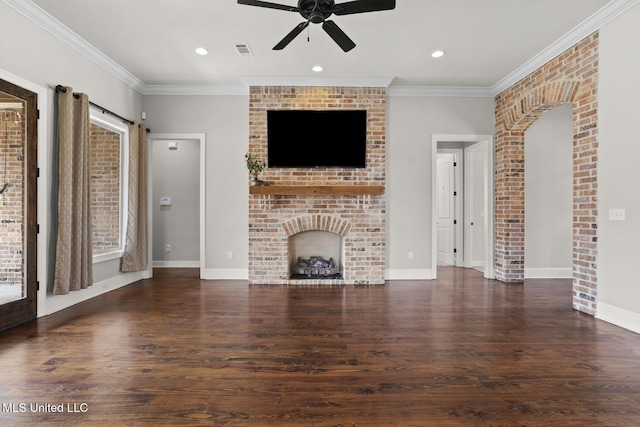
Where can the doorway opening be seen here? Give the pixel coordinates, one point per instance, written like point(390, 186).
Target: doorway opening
point(548, 195)
point(462, 202)
point(177, 199)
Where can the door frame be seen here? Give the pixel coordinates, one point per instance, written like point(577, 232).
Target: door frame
point(489, 270)
point(201, 138)
point(45, 158)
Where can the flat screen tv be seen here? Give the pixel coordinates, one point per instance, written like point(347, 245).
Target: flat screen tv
point(316, 138)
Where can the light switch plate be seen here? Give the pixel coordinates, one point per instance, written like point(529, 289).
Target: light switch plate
point(616, 214)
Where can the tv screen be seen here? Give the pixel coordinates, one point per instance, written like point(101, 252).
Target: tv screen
point(316, 138)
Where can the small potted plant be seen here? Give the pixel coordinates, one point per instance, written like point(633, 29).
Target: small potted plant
point(255, 166)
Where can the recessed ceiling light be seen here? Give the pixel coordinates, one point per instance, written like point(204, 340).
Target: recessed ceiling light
point(438, 54)
point(201, 51)
point(317, 68)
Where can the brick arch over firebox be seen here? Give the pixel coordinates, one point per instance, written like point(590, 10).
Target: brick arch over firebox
point(571, 77)
point(316, 223)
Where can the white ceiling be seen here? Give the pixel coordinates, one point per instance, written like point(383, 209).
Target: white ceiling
point(486, 41)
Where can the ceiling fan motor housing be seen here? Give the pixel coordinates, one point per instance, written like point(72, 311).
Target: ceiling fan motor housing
point(316, 11)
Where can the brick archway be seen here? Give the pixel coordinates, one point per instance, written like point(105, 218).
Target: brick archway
point(569, 78)
point(537, 102)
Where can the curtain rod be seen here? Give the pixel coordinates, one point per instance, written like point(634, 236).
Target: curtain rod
point(60, 88)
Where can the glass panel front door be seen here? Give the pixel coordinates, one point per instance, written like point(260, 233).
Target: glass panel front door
point(18, 227)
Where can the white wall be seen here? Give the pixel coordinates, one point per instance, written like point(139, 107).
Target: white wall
point(176, 175)
point(618, 171)
point(410, 123)
point(548, 195)
point(225, 121)
point(42, 60)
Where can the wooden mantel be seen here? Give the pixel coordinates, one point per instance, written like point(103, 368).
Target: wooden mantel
point(296, 190)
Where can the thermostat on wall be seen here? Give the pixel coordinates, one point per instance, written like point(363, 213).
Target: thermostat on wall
point(165, 201)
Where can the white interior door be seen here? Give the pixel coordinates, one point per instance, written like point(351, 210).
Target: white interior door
point(446, 209)
point(475, 184)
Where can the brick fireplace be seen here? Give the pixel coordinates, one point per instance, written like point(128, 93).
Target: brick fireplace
point(348, 204)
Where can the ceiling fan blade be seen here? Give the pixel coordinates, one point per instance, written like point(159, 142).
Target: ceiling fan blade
point(338, 35)
point(363, 6)
point(292, 35)
point(268, 5)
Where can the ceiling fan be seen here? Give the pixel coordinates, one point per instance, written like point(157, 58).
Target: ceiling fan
point(318, 11)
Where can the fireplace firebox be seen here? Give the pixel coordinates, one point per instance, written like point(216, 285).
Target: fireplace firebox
point(315, 255)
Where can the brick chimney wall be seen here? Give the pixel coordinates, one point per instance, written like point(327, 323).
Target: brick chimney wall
point(361, 218)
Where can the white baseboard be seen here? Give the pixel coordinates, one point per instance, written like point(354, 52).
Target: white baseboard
point(548, 273)
point(619, 316)
point(226, 274)
point(176, 264)
point(408, 274)
point(54, 303)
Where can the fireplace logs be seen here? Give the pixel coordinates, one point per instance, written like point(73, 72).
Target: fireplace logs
point(316, 267)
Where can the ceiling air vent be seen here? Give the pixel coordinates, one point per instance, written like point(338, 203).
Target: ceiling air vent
point(244, 50)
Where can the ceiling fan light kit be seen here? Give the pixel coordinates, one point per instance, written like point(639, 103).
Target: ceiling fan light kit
point(318, 12)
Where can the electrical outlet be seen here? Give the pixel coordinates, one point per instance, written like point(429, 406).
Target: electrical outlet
point(167, 248)
point(410, 255)
point(230, 255)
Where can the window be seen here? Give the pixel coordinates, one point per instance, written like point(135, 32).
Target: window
point(109, 147)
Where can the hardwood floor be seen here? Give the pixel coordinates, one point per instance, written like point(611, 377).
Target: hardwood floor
point(461, 350)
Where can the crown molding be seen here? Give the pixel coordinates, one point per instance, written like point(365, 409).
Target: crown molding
point(55, 27)
point(453, 91)
point(317, 81)
point(587, 27)
point(195, 90)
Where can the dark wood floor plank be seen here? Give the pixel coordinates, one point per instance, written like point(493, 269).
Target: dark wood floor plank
point(460, 350)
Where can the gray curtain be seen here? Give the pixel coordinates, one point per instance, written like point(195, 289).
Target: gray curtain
point(74, 254)
point(135, 250)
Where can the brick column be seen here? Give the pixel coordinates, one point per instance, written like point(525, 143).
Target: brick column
point(509, 206)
